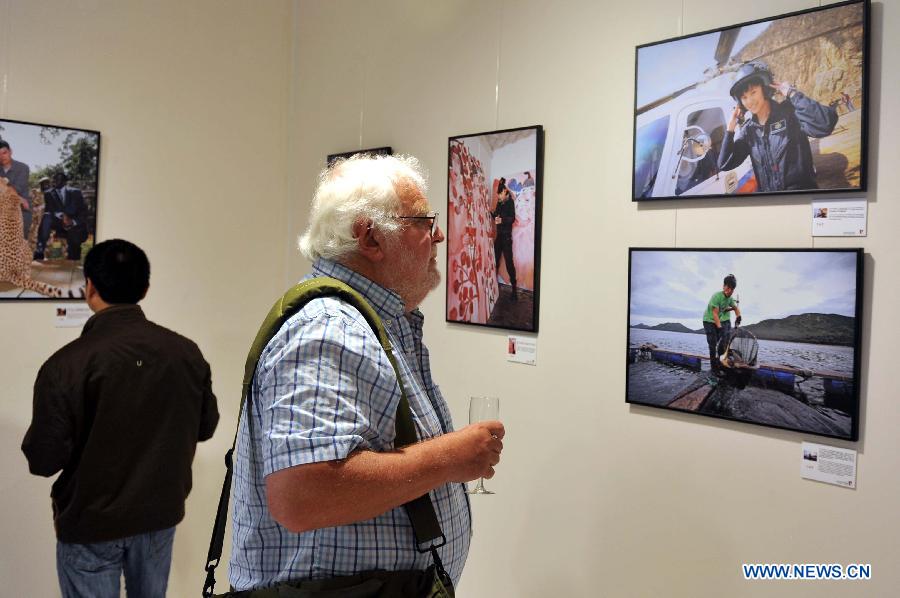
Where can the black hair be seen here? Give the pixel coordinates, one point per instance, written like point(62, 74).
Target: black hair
point(4, 144)
point(502, 185)
point(62, 175)
point(119, 270)
point(730, 281)
point(745, 85)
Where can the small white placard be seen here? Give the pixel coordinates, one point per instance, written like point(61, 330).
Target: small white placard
point(839, 218)
point(521, 349)
point(71, 315)
point(829, 464)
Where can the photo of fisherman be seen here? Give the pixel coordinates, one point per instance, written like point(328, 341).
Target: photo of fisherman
point(717, 321)
point(784, 353)
point(775, 134)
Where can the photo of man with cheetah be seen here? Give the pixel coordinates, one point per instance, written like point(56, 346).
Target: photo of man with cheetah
point(48, 209)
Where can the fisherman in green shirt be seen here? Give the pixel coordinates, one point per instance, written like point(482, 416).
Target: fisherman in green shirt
point(717, 320)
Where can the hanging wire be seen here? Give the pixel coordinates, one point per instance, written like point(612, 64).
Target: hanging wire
point(680, 32)
point(497, 83)
point(5, 32)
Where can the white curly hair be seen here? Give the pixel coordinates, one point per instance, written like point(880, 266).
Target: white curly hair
point(361, 187)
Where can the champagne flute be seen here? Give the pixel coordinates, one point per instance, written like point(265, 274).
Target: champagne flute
point(483, 409)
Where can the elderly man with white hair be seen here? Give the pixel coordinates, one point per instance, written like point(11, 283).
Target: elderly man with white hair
point(319, 487)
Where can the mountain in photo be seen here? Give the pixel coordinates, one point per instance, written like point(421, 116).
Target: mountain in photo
point(666, 327)
point(819, 329)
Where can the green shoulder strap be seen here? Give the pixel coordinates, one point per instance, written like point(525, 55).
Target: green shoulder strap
point(290, 303)
point(420, 511)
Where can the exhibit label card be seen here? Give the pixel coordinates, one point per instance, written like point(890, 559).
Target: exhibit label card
point(521, 349)
point(72, 316)
point(839, 218)
point(829, 464)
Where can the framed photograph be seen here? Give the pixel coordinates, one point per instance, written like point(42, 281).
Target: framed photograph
point(375, 151)
point(48, 183)
point(764, 336)
point(773, 106)
point(494, 200)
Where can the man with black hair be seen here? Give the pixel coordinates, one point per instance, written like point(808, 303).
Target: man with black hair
point(65, 212)
point(717, 320)
point(119, 410)
point(776, 136)
point(17, 174)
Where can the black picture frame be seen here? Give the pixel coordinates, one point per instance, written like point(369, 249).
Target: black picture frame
point(480, 292)
point(372, 151)
point(47, 149)
point(809, 385)
point(680, 122)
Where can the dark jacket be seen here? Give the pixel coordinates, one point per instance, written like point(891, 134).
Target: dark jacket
point(507, 212)
point(779, 150)
point(120, 410)
point(74, 207)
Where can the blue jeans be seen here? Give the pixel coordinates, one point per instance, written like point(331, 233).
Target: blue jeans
point(94, 570)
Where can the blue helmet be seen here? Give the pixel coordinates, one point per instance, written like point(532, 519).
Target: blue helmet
point(752, 72)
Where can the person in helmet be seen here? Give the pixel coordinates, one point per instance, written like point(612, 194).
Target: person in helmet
point(776, 135)
point(717, 320)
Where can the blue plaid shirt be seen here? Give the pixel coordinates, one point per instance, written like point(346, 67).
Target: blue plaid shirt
point(324, 388)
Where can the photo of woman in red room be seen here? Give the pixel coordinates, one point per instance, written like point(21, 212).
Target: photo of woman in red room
point(493, 224)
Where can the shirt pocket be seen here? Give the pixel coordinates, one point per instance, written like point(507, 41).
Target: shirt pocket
point(779, 140)
point(427, 423)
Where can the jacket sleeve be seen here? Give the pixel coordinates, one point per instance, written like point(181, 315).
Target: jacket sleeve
point(816, 120)
point(209, 412)
point(81, 212)
point(733, 152)
point(49, 441)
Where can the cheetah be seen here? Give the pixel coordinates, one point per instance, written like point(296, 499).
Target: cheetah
point(37, 212)
point(15, 255)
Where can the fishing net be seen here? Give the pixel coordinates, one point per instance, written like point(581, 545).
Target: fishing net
point(742, 349)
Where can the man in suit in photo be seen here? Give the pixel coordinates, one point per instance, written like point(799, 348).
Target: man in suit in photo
point(65, 212)
point(17, 174)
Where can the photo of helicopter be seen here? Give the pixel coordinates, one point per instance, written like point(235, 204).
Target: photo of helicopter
point(811, 68)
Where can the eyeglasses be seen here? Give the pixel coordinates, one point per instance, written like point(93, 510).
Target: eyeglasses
point(432, 216)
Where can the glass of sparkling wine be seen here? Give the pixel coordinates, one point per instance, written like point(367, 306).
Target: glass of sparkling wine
point(483, 409)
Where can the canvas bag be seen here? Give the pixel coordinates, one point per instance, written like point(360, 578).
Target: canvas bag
point(433, 582)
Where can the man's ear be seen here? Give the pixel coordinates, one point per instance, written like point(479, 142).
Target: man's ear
point(91, 295)
point(369, 240)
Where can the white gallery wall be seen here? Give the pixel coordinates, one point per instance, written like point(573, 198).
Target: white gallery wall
point(509, 158)
point(191, 101)
point(216, 117)
point(596, 498)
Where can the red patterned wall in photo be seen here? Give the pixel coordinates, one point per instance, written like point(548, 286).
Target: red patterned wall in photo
point(472, 287)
